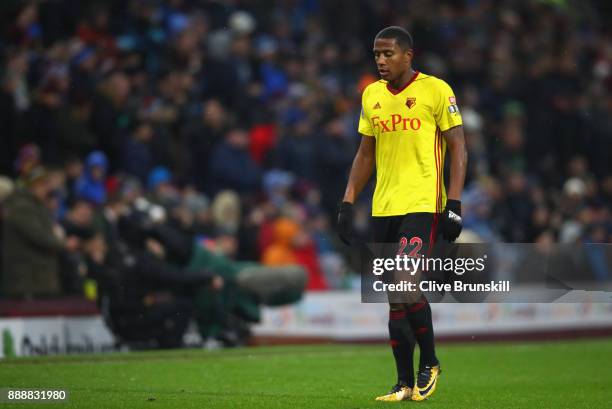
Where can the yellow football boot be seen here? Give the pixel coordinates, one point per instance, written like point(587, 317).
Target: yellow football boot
point(426, 382)
point(399, 393)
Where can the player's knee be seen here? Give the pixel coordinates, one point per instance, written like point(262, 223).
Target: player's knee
point(416, 307)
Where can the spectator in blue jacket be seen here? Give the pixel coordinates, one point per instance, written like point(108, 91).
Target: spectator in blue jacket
point(90, 186)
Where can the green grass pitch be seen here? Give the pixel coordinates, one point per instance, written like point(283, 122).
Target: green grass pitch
point(574, 374)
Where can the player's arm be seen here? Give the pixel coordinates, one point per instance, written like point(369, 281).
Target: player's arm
point(362, 168)
point(448, 119)
point(451, 218)
point(455, 141)
point(361, 171)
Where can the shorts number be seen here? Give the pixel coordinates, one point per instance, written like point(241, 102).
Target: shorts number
point(415, 241)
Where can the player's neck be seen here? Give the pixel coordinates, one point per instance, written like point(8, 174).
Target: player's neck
point(403, 80)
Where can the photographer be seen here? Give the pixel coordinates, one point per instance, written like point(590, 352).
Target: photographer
point(223, 313)
point(78, 228)
point(143, 297)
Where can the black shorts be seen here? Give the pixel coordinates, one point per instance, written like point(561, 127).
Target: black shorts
point(415, 233)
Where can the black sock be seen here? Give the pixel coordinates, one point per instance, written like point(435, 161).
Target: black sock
point(419, 316)
point(402, 344)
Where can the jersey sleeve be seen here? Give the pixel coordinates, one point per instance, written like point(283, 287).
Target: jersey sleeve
point(365, 127)
point(446, 110)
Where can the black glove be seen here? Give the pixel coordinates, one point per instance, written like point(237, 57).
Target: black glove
point(345, 222)
point(451, 220)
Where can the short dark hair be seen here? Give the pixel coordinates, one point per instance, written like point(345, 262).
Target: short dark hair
point(401, 36)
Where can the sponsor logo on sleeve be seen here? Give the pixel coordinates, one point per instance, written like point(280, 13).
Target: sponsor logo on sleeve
point(453, 108)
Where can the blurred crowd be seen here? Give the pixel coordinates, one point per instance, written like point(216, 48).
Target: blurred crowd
point(232, 124)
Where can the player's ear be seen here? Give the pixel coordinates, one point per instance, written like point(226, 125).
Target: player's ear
point(408, 54)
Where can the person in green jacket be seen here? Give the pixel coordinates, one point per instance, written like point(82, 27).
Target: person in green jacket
point(31, 241)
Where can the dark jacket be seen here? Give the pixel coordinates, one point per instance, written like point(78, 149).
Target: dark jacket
point(233, 168)
point(30, 248)
point(137, 159)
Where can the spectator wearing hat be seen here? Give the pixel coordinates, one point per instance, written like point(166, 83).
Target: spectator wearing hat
point(32, 242)
point(161, 189)
point(90, 186)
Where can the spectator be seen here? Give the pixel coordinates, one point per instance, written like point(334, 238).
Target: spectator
point(225, 211)
point(335, 154)
point(6, 189)
point(281, 251)
point(32, 242)
point(28, 158)
point(90, 186)
point(108, 118)
point(14, 98)
point(74, 135)
point(83, 72)
point(202, 137)
point(137, 156)
point(231, 166)
point(161, 189)
point(41, 123)
point(292, 245)
point(296, 151)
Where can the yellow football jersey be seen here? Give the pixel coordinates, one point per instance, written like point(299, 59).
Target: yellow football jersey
point(410, 149)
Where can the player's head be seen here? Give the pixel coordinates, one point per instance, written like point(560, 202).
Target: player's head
point(393, 52)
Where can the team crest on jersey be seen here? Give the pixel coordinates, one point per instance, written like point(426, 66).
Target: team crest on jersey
point(377, 106)
point(410, 102)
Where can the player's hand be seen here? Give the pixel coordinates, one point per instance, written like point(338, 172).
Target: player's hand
point(451, 220)
point(345, 222)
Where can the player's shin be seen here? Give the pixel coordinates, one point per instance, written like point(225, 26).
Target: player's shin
point(402, 343)
point(419, 316)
